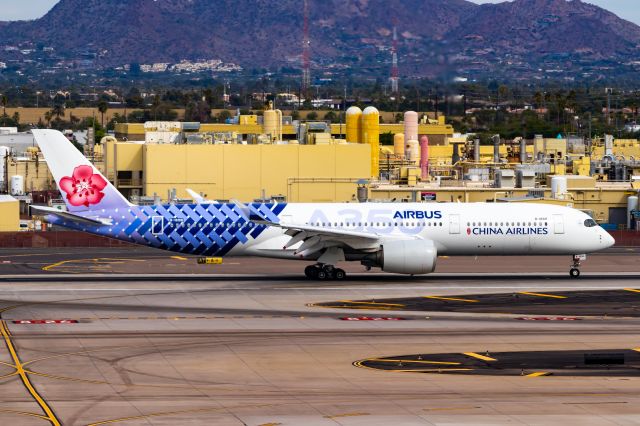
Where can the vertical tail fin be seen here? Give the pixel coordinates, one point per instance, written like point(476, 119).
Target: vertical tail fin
point(83, 187)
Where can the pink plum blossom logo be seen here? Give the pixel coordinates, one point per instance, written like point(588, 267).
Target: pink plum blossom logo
point(84, 187)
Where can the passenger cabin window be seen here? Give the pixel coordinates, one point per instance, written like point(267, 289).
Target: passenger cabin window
point(590, 223)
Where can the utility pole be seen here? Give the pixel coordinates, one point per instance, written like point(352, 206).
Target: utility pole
point(344, 108)
point(609, 91)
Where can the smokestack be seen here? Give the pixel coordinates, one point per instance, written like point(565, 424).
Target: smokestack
point(456, 154)
point(496, 148)
point(523, 150)
point(476, 150)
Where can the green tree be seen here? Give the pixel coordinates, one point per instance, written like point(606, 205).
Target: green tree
point(331, 116)
point(48, 116)
point(4, 101)
point(58, 111)
point(198, 111)
point(103, 107)
point(312, 115)
point(133, 98)
point(223, 116)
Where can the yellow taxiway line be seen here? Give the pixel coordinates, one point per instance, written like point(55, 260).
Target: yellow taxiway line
point(50, 416)
point(632, 290)
point(480, 357)
point(538, 374)
point(373, 303)
point(97, 260)
point(409, 361)
point(552, 296)
point(432, 370)
point(453, 299)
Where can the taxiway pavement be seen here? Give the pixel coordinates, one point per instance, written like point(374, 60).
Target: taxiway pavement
point(254, 348)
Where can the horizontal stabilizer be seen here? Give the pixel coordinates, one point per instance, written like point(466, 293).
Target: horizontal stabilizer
point(71, 216)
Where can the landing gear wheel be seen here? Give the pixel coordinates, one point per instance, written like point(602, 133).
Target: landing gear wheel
point(574, 272)
point(322, 274)
point(339, 274)
point(311, 271)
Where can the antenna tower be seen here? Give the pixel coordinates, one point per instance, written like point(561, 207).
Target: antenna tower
point(306, 60)
point(394, 62)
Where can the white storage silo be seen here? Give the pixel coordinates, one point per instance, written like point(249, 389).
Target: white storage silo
point(17, 185)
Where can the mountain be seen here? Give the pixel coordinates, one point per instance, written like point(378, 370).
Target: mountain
point(549, 26)
point(350, 36)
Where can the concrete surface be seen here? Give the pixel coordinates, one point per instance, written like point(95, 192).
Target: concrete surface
point(254, 350)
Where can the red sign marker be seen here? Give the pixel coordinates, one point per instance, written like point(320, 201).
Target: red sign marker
point(45, 322)
point(372, 319)
point(549, 319)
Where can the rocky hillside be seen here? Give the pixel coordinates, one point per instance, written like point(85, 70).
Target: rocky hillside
point(344, 33)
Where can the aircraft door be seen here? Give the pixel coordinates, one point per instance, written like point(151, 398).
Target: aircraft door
point(157, 225)
point(558, 224)
point(454, 224)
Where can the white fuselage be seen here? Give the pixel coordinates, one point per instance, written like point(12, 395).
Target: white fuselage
point(455, 228)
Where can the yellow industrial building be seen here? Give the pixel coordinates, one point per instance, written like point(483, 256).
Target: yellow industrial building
point(297, 173)
point(9, 214)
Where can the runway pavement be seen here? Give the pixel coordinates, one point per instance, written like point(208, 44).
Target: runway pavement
point(252, 346)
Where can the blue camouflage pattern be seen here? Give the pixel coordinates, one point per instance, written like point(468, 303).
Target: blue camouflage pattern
point(198, 229)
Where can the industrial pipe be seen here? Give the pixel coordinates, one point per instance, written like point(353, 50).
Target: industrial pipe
point(424, 157)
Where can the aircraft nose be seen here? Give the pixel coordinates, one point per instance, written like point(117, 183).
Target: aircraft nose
point(608, 240)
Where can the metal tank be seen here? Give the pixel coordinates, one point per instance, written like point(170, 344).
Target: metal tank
point(354, 127)
point(17, 185)
point(363, 194)
point(413, 151)
point(398, 145)
point(371, 136)
point(496, 148)
point(424, 157)
point(558, 187)
point(410, 126)
point(273, 124)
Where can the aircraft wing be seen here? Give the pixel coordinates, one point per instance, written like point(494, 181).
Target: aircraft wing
point(199, 199)
point(315, 239)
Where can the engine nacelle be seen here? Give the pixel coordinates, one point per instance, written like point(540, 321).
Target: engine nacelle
point(412, 257)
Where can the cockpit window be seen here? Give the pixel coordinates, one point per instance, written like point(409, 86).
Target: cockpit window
point(590, 223)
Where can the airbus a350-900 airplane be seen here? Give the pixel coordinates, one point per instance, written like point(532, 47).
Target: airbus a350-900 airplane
point(402, 238)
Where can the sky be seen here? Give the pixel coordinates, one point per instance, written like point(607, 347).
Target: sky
point(11, 10)
point(626, 9)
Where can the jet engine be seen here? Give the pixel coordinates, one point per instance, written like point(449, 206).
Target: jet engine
point(411, 257)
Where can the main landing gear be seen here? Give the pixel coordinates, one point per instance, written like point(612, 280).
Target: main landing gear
point(574, 272)
point(324, 272)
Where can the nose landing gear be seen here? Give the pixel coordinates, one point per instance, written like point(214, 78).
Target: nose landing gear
point(322, 272)
point(574, 272)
